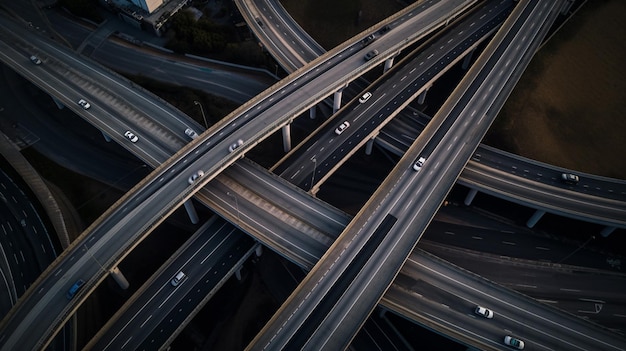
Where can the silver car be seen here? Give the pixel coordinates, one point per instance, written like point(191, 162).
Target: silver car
point(365, 97)
point(191, 133)
point(84, 104)
point(233, 146)
point(511, 341)
point(34, 59)
point(481, 311)
point(195, 176)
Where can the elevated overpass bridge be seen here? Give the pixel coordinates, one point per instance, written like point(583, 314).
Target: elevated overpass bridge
point(332, 302)
point(134, 216)
point(513, 178)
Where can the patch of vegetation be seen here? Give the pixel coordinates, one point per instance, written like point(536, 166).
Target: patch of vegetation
point(83, 8)
point(198, 37)
point(203, 37)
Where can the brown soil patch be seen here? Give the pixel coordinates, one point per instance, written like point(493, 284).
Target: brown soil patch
point(568, 109)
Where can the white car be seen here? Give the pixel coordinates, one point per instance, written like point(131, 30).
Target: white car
point(343, 126)
point(195, 176)
point(570, 178)
point(84, 104)
point(417, 166)
point(481, 311)
point(235, 145)
point(178, 278)
point(191, 133)
point(131, 136)
point(365, 97)
point(511, 341)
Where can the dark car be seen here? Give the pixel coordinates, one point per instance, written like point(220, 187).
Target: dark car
point(371, 55)
point(74, 289)
point(368, 40)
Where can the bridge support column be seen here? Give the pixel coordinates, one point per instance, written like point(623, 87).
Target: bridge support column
point(57, 102)
point(313, 112)
point(106, 137)
point(470, 197)
point(566, 6)
point(191, 211)
point(606, 231)
point(368, 146)
point(422, 97)
point(337, 100)
point(388, 63)
point(535, 218)
point(119, 278)
point(467, 59)
point(382, 314)
point(286, 129)
point(259, 250)
point(238, 273)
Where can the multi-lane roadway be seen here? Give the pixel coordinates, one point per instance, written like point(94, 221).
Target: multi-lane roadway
point(135, 215)
point(317, 157)
point(329, 306)
point(499, 177)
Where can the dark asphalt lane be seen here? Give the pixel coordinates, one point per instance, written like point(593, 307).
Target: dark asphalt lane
point(30, 116)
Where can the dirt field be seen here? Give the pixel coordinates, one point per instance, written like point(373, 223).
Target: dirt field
point(569, 107)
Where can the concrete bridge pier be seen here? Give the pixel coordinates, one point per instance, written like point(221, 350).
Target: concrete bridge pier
point(337, 100)
point(313, 191)
point(467, 59)
point(57, 102)
point(313, 112)
point(286, 129)
point(606, 231)
point(382, 314)
point(368, 146)
point(388, 63)
point(191, 211)
point(106, 137)
point(422, 97)
point(238, 273)
point(566, 6)
point(535, 218)
point(470, 197)
point(119, 278)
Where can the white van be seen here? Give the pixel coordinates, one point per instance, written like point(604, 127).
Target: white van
point(178, 278)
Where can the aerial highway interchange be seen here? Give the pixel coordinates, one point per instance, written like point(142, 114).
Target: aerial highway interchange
point(223, 145)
